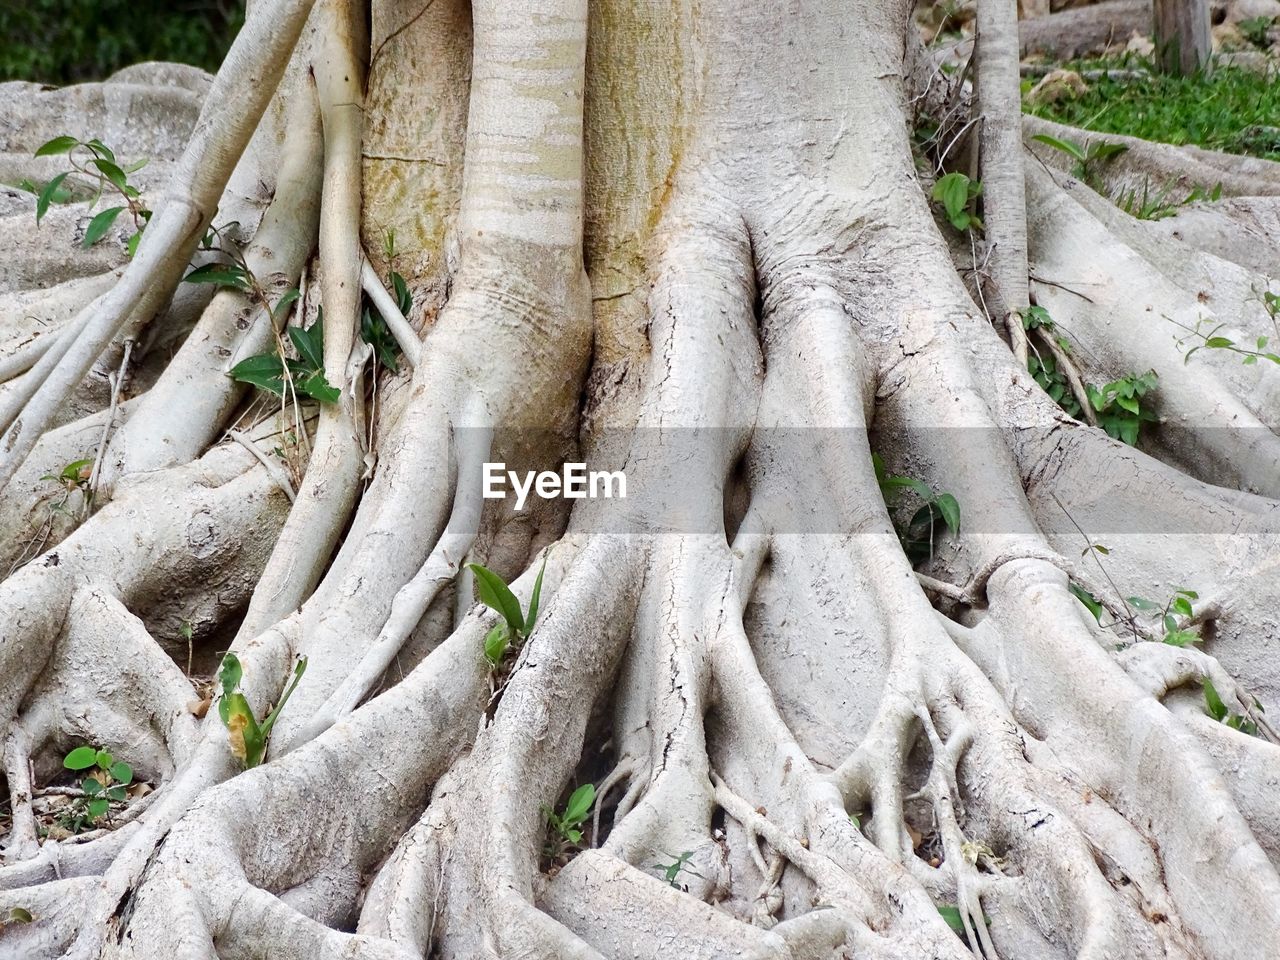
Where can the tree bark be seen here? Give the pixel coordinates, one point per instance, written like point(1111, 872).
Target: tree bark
point(1181, 34)
point(693, 242)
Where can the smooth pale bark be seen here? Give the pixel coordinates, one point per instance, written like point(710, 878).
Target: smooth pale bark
point(823, 743)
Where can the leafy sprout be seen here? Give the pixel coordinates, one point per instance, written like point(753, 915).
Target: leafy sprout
point(248, 737)
point(105, 783)
point(493, 592)
point(99, 172)
point(567, 823)
point(958, 196)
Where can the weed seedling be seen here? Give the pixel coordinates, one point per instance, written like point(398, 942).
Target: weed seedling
point(938, 510)
point(306, 374)
point(958, 196)
point(1213, 339)
point(1087, 158)
point(74, 476)
point(516, 626)
point(1215, 708)
point(566, 825)
point(1119, 405)
point(103, 785)
point(1178, 605)
point(248, 737)
point(678, 865)
point(96, 166)
point(1044, 367)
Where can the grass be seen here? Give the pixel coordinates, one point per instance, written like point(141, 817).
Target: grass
point(1231, 109)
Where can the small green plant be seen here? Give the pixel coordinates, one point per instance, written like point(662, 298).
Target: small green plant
point(248, 737)
point(1255, 30)
point(104, 784)
point(1213, 340)
point(493, 592)
point(1119, 405)
point(95, 163)
point(1044, 367)
point(1157, 206)
point(273, 372)
point(937, 511)
point(1177, 605)
point(72, 477)
point(374, 330)
point(958, 196)
point(268, 371)
point(1087, 158)
point(1215, 708)
point(678, 865)
point(567, 824)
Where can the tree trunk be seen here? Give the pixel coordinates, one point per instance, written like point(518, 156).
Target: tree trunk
point(694, 243)
point(1181, 35)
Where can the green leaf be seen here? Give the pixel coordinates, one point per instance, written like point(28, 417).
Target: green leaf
point(579, 805)
point(922, 489)
point(1218, 342)
point(404, 299)
point(270, 722)
point(221, 274)
point(74, 472)
point(98, 806)
point(492, 592)
point(1101, 150)
point(310, 344)
point(1087, 598)
point(121, 772)
point(81, 758)
point(91, 787)
point(46, 196)
point(265, 370)
point(116, 793)
point(243, 732)
point(131, 245)
point(1190, 594)
point(104, 759)
point(952, 916)
point(496, 642)
point(99, 225)
point(112, 172)
point(1034, 317)
point(57, 145)
point(534, 598)
point(318, 388)
point(1069, 147)
point(101, 149)
point(230, 673)
point(1217, 709)
point(288, 297)
point(953, 190)
point(949, 507)
point(1139, 603)
point(1128, 431)
point(1181, 605)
